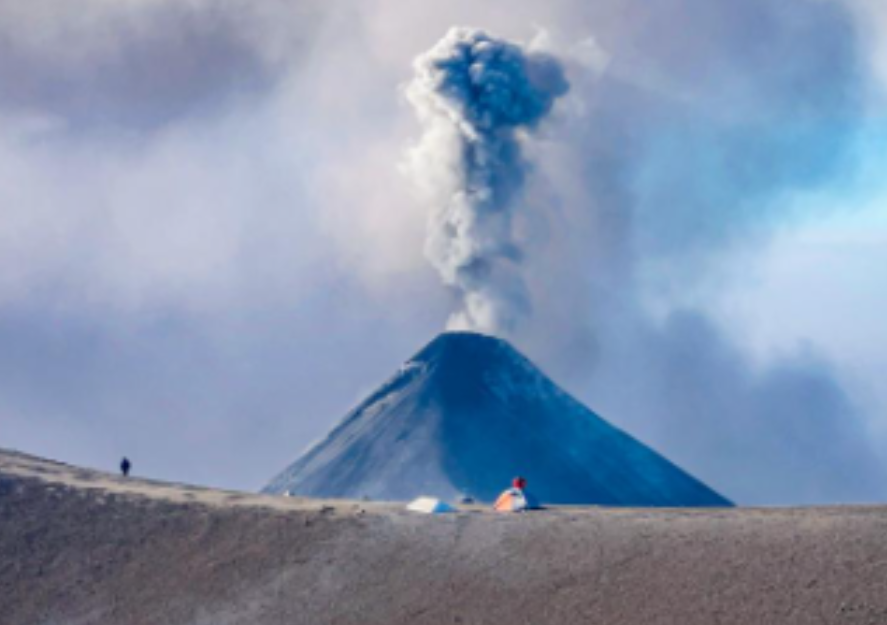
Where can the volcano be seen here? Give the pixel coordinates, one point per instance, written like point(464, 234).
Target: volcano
point(465, 415)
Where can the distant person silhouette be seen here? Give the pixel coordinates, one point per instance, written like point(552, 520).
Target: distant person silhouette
point(125, 466)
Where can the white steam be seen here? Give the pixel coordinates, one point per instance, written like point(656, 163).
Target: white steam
point(479, 98)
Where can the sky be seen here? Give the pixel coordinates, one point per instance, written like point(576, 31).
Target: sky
point(212, 244)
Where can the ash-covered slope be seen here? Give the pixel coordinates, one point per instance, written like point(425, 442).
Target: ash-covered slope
point(466, 414)
point(87, 548)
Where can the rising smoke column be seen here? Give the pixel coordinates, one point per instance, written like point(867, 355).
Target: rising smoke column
point(479, 98)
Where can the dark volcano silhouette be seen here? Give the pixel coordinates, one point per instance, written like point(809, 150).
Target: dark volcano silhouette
point(465, 415)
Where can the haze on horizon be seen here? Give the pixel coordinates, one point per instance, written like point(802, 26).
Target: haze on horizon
point(211, 246)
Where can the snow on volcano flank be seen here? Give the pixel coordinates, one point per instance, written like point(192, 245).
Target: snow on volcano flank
point(466, 414)
point(479, 98)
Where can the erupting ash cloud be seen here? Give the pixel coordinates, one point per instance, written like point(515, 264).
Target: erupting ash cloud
point(479, 98)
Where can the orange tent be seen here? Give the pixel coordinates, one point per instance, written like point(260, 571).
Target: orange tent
point(515, 500)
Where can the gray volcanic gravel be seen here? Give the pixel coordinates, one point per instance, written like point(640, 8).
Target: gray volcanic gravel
point(81, 547)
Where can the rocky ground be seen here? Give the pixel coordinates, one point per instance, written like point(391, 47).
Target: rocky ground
point(83, 547)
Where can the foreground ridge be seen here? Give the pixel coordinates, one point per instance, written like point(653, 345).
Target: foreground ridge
point(79, 546)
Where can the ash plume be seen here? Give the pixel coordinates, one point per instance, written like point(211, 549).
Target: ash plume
point(479, 98)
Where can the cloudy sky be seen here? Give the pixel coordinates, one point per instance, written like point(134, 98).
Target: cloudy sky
point(211, 247)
